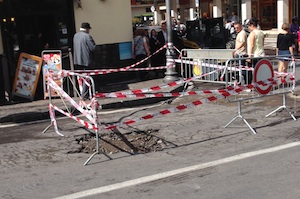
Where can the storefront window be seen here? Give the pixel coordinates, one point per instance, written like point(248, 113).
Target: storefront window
point(139, 2)
point(268, 17)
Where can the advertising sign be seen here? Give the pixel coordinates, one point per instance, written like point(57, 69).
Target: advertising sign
point(125, 50)
point(52, 63)
point(27, 76)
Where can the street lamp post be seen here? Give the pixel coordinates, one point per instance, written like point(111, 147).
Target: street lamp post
point(171, 74)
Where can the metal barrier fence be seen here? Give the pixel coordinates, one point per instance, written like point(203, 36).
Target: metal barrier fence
point(207, 64)
point(241, 82)
point(256, 77)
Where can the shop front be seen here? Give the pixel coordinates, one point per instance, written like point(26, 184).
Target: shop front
point(33, 26)
point(268, 14)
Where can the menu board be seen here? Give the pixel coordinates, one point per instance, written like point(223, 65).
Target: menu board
point(27, 76)
point(51, 65)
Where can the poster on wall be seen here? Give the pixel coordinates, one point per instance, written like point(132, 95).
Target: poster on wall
point(27, 76)
point(125, 51)
point(52, 63)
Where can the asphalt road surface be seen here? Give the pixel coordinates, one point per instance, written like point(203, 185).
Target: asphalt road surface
point(201, 159)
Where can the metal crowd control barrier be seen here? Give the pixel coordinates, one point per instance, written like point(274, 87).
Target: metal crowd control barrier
point(205, 65)
point(264, 80)
point(199, 65)
point(255, 76)
point(88, 110)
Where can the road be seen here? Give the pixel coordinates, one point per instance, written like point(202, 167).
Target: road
point(36, 165)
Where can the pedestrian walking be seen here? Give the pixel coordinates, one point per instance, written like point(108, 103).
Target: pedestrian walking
point(84, 46)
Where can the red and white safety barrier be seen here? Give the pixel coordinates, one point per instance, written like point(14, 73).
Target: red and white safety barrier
point(107, 71)
point(68, 98)
point(223, 95)
point(82, 122)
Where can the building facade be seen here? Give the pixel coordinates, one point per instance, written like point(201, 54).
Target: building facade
point(272, 13)
point(27, 26)
point(56, 21)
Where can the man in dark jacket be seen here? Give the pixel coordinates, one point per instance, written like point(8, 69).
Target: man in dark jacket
point(83, 45)
point(162, 37)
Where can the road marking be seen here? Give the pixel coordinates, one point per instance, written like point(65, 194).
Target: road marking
point(159, 176)
point(23, 123)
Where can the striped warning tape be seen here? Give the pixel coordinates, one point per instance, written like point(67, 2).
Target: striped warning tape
point(82, 122)
point(223, 94)
point(68, 98)
point(230, 91)
point(65, 73)
point(142, 94)
point(106, 71)
point(154, 88)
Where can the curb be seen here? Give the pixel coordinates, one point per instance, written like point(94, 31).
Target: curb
point(40, 110)
point(43, 115)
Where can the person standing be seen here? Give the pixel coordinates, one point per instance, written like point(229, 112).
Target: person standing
point(241, 40)
point(240, 50)
point(294, 29)
point(233, 18)
point(84, 46)
point(255, 45)
point(255, 41)
point(156, 58)
point(284, 46)
point(163, 34)
point(154, 46)
point(162, 37)
point(140, 50)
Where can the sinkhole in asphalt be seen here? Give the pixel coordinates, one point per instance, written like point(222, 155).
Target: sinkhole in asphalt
point(134, 142)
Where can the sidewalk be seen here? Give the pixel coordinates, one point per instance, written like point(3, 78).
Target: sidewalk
point(38, 110)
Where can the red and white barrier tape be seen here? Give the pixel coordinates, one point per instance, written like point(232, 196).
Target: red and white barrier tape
point(106, 71)
point(67, 97)
point(147, 90)
point(174, 109)
point(67, 73)
point(223, 94)
point(82, 122)
point(177, 94)
point(174, 94)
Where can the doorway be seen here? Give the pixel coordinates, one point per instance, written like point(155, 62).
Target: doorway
point(268, 14)
point(32, 26)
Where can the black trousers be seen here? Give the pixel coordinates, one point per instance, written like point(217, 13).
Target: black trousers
point(141, 75)
point(85, 91)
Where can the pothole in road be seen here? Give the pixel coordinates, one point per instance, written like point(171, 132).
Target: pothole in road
point(132, 142)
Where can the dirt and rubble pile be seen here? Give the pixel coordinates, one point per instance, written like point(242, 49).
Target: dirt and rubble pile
point(132, 142)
